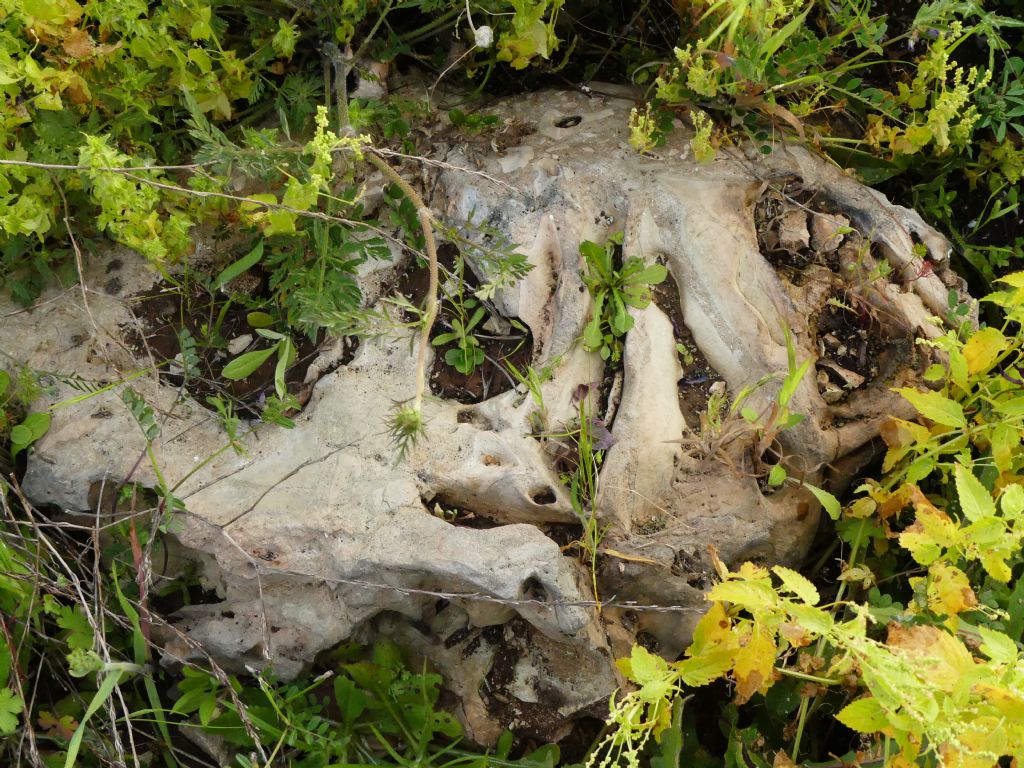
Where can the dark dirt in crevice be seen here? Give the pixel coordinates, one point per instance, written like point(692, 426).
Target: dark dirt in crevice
point(855, 345)
point(856, 348)
point(528, 720)
point(771, 214)
point(164, 310)
point(501, 346)
point(698, 374)
point(457, 515)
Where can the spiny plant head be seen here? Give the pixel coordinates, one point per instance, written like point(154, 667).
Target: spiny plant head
point(406, 426)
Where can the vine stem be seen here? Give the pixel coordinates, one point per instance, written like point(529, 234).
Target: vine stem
point(430, 310)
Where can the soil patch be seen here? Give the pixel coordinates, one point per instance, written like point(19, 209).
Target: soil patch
point(698, 374)
point(221, 331)
point(503, 341)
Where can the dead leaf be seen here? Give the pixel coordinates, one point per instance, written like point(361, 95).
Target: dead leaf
point(78, 44)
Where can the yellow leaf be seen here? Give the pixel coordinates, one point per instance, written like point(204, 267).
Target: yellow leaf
point(898, 433)
point(813, 619)
point(944, 659)
point(1006, 700)
point(983, 349)
point(994, 563)
point(931, 532)
point(752, 595)
point(949, 591)
point(1005, 441)
point(713, 630)
point(754, 669)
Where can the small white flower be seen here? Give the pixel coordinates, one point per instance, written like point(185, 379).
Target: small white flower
point(483, 37)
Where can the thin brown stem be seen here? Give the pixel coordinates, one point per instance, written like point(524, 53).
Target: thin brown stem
point(430, 310)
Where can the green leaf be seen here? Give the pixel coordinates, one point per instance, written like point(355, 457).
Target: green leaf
point(259, 320)
point(10, 707)
point(444, 338)
point(243, 365)
point(777, 476)
point(936, 407)
point(76, 624)
point(975, 501)
point(106, 688)
point(246, 262)
point(827, 500)
point(592, 336)
point(621, 320)
point(791, 382)
point(997, 646)
point(646, 667)
point(798, 584)
point(706, 667)
point(651, 275)
point(38, 424)
point(864, 715)
point(5, 381)
point(21, 437)
point(285, 356)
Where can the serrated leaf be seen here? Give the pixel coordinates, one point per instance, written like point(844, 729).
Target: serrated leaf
point(712, 631)
point(798, 584)
point(244, 365)
point(752, 595)
point(754, 668)
point(248, 261)
point(975, 501)
point(864, 716)
point(811, 618)
point(707, 667)
point(646, 667)
point(1005, 440)
point(921, 547)
point(936, 407)
point(949, 590)
point(958, 369)
point(1012, 500)
point(997, 646)
point(10, 707)
point(76, 624)
point(983, 349)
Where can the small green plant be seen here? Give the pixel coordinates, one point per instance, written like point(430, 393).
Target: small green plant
point(776, 418)
point(472, 122)
point(614, 289)
point(467, 354)
point(18, 428)
point(246, 364)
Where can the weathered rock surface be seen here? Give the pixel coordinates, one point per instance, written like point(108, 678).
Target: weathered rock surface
point(319, 535)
